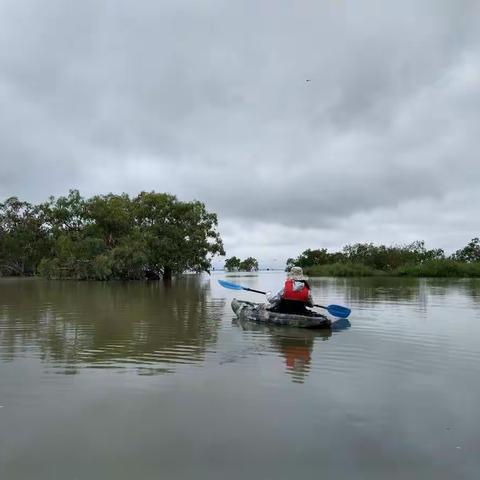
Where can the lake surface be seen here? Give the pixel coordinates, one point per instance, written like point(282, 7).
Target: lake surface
point(146, 381)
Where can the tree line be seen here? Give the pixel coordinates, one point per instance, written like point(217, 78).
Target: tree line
point(412, 259)
point(234, 264)
point(104, 237)
point(155, 235)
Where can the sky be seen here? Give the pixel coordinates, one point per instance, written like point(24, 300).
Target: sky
point(302, 124)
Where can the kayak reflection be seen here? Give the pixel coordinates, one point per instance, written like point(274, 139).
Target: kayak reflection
point(294, 344)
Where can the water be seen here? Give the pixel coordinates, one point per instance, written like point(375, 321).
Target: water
point(146, 381)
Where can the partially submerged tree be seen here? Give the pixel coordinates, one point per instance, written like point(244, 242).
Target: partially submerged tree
point(232, 264)
point(179, 236)
point(250, 264)
point(153, 235)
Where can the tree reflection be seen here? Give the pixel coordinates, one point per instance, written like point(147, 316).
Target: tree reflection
point(395, 289)
point(105, 325)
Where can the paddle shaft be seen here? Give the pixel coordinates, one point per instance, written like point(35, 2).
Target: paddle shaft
point(252, 290)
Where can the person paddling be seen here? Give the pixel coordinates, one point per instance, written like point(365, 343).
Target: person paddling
point(295, 295)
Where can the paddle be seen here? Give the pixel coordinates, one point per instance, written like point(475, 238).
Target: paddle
point(335, 310)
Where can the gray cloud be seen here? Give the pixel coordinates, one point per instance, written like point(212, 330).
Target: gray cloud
point(210, 100)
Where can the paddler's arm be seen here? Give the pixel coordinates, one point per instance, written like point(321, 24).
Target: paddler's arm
point(274, 300)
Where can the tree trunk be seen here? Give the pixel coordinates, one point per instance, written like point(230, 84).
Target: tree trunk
point(167, 274)
point(151, 275)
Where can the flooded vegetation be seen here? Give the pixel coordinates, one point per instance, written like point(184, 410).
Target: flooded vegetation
point(410, 260)
point(107, 237)
point(116, 380)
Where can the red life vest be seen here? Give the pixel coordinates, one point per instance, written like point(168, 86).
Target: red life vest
point(296, 295)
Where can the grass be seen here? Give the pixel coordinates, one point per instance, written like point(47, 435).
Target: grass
point(441, 268)
point(433, 268)
point(342, 270)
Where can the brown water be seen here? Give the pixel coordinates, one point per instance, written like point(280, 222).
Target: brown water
point(140, 380)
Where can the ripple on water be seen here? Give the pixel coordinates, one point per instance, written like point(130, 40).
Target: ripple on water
point(418, 328)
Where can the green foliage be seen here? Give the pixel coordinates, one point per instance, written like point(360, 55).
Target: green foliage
point(179, 236)
point(250, 264)
point(48, 268)
point(23, 237)
point(414, 259)
point(101, 268)
point(347, 269)
point(128, 260)
point(310, 257)
point(110, 217)
point(232, 264)
point(389, 258)
point(107, 237)
point(65, 214)
point(469, 253)
point(441, 268)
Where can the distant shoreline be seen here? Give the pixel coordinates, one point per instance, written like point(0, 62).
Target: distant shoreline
point(441, 268)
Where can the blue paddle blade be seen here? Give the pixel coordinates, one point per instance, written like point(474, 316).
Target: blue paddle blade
point(338, 311)
point(231, 286)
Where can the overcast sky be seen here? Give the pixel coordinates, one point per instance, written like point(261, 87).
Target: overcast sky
point(300, 123)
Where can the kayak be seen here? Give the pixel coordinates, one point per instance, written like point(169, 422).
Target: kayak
point(259, 313)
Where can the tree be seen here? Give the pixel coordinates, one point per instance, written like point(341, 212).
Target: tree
point(290, 263)
point(23, 238)
point(75, 249)
point(110, 217)
point(470, 253)
point(64, 214)
point(310, 257)
point(179, 235)
point(111, 236)
point(249, 264)
point(378, 257)
point(232, 264)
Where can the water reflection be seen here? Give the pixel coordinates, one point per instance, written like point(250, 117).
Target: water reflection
point(295, 345)
point(379, 289)
point(73, 325)
point(398, 392)
point(383, 289)
point(418, 293)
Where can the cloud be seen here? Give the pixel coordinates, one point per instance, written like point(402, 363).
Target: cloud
point(210, 101)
